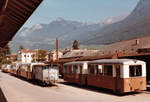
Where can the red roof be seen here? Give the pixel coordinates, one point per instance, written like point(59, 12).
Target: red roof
point(80, 53)
point(126, 47)
point(28, 51)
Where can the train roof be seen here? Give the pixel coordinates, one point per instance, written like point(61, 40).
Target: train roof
point(108, 61)
point(117, 61)
point(77, 62)
point(32, 64)
point(37, 63)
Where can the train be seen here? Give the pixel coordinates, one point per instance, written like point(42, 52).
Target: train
point(6, 68)
point(118, 75)
point(44, 73)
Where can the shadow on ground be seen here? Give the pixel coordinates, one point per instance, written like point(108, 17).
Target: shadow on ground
point(35, 82)
point(100, 90)
point(2, 97)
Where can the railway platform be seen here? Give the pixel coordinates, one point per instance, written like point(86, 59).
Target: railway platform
point(18, 90)
point(2, 96)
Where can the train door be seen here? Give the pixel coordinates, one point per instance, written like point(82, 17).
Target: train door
point(117, 83)
point(80, 74)
point(53, 73)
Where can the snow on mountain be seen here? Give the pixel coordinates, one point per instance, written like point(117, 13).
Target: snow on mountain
point(37, 26)
point(27, 31)
point(43, 35)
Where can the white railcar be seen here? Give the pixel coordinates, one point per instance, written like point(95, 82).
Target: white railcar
point(46, 73)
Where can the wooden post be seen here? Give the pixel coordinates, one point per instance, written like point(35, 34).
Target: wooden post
point(57, 59)
point(57, 50)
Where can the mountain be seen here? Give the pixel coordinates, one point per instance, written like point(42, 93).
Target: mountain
point(42, 36)
point(137, 24)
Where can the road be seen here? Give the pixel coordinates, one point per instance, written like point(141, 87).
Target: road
point(18, 90)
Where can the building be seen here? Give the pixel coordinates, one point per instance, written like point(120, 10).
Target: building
point(75, 55)
point(12, 57)
point(27, 56)
point(79, 54)
point(138, 48)
point(52, 56)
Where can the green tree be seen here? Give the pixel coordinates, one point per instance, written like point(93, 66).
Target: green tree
point(21, 47)
point(3, 53)
point(75, 45)
point(41, 54)
point(5, 61)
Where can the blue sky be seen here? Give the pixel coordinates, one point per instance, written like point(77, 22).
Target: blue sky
point(80, 10)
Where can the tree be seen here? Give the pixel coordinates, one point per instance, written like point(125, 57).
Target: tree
point(41, 54)
point(5, 61)
point(21, 47)
point(3, 53)
point(6, 50)
point(75, 45)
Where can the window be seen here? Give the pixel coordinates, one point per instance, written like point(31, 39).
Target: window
point(108, 70)
point(75, 69)
point(43, 67)
point(32, 56)
point(65, 69)
point(28, 68)
point(47, 67)
point(91, 69)
point(25, 67)
point(135, 70)
point(80, 69)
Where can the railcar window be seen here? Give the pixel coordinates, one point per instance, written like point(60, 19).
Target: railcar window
point(135, 70)
point(28, 68)
point(43, 67)
point(65, 69)
point(75, 69)
point(24, 67)
point(47, 67)
point(108, 70)
point(80, 69)
point(91, 69)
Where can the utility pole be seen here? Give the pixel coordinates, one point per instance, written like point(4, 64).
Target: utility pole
point(57, 50)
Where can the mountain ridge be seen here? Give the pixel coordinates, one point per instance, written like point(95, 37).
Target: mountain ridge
point(42, 36)
point(137, 24)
